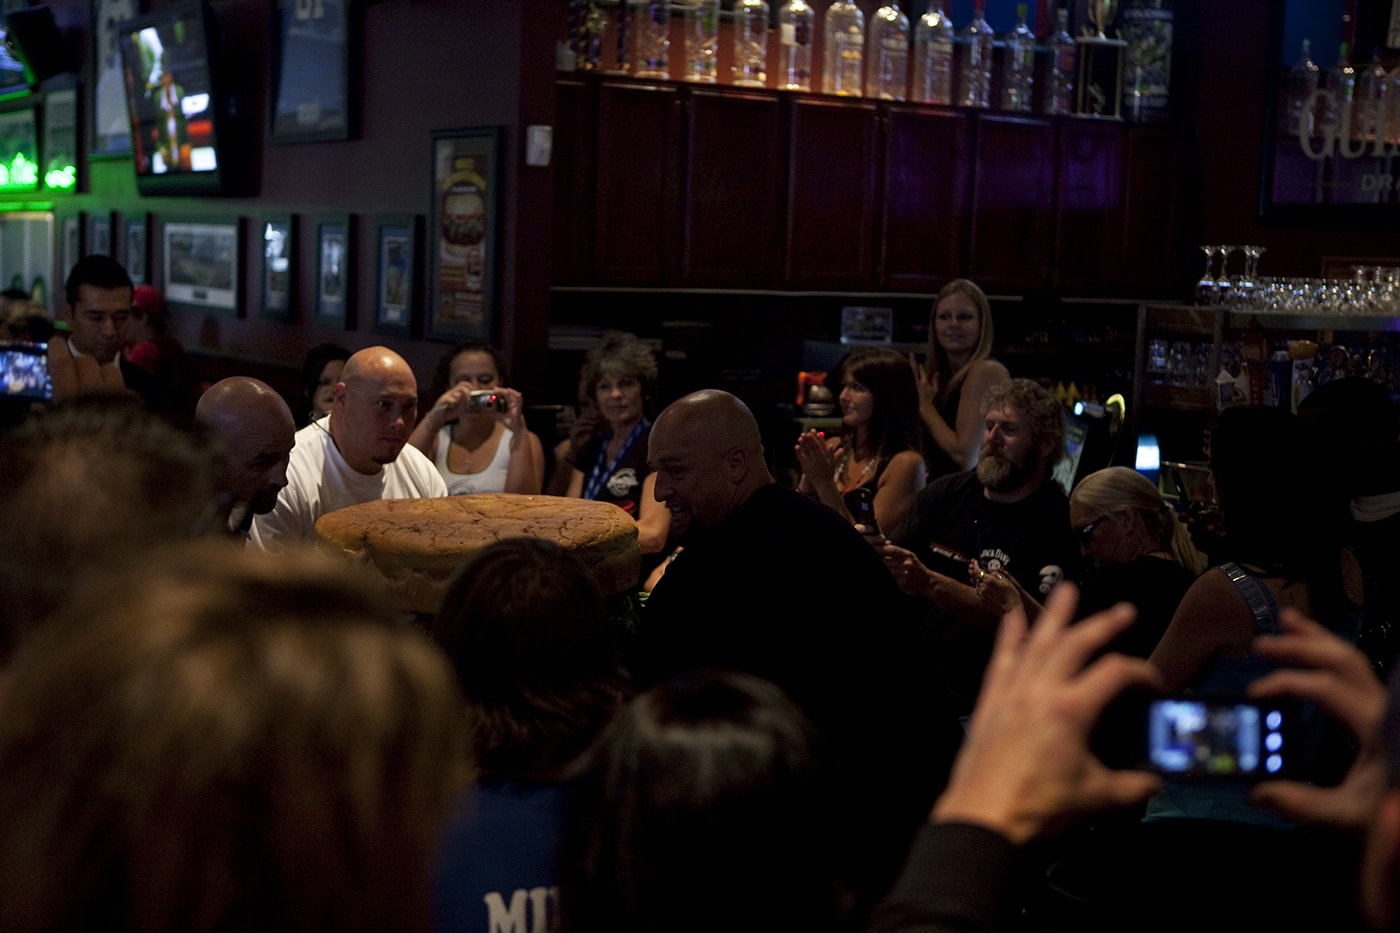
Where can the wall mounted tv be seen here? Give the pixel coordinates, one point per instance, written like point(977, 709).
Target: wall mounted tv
point(173, 99)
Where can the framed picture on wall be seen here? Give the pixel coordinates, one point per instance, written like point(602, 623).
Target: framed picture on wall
point(135, 255)
point(396, 284)
point(70, 246)
point(58, 156)
point(99, 234)
point(278, 268)
point(464, 244)
point(202, 264)
point(310, 87)
point(335, 280)
point(110, 131)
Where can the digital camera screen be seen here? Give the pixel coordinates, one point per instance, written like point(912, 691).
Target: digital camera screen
point(1197, 738)
point(25, 369)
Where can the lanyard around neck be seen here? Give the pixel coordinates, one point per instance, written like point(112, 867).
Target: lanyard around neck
point(602, 470)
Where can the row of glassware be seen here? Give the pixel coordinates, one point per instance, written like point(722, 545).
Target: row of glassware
point(1371, 290)
point(885, 59)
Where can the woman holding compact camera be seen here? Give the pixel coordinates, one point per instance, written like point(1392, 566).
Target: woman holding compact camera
point(475, 432)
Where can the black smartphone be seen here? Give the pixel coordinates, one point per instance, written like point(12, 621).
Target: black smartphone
point(1228, 738)
point(865, 510)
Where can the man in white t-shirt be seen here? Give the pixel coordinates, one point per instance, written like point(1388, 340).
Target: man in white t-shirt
point(356, 454)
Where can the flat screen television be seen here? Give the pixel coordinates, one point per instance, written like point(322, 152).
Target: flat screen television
point(13, 80)
point(172, 97)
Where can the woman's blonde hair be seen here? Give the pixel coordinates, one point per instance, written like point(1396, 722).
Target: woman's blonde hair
point(937, 359)
point(1123, 490)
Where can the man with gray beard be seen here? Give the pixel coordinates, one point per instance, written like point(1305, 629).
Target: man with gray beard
point(1008, 515)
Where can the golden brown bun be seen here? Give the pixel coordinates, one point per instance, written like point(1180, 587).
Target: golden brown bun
point(416, 546)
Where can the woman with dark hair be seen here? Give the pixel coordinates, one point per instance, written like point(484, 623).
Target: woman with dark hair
point(955, 374)
point(874, 455)
point(212, 740)
point(479, 445)
point(701, 810)
point(532, 643)
point(619, 374)
point(320, 372)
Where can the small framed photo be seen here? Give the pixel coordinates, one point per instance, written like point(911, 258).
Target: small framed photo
point(59, 153)
point(136, 232)
point(312, 96)
point(279, 266)
point(466, 189)
point(109, 134)
point(99, 234)
point(335, 281)
point(70, 246)
point(396, 289)
point(202, 264)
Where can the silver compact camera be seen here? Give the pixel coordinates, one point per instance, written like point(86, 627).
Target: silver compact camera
point(486, 400)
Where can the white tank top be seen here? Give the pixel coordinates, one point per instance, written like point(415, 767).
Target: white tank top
point(491, 479)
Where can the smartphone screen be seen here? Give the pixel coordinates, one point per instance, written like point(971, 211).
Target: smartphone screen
point(24, 371)
point(865, 510)
point(1225, 739)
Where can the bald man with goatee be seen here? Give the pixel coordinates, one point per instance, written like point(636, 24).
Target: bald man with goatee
point(776, 584)
point(257, 431)
point(358, 453)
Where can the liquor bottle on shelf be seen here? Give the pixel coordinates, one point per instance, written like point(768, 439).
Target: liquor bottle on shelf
point(933, 57)
point(751, 43)
point(842, 48)
point(1372, 87)
point(796, 21)
point(1018, 65)
point(975, 60)
point(1302, 86)
point(653, 56)
point(1341, 81)
point(1059, 67)
point(702, 41)
point(887, 58)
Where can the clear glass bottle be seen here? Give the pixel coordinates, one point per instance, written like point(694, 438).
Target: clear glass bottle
point(1372, 88)
point(843, 44)
point(653, 49)
point(796, 21)
point(887, 58)
point(702, 41)
point(1303, 80)
point(1061, 61)
point(1018, 65)
point(933, 57)
point(1341, 82)
point(975, 59)
point(751, 43)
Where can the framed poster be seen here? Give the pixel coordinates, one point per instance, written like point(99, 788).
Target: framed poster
point(99, 234)
point(202, 264)
point(58, 156)
point(135, 256)
point(70, 247)
point(310, 87)
point(464, 238)
point(278, 268)
point(335, 282)
point(110, 132)
point(396, 284)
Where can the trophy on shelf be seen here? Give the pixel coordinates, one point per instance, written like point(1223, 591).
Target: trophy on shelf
point(1099, 91)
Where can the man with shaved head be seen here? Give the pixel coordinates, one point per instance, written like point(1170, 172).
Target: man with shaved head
point(257, 431)
point(356, 454)
point(776, 584)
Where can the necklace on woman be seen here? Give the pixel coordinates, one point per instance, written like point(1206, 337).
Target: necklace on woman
point(841, 480)
point(471, 451)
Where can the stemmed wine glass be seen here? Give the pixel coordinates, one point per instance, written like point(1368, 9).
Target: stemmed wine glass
point(1205, 288)
point(1227, 288)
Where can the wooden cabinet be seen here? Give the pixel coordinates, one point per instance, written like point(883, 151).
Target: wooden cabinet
point(1012, 190)
point(924, 201)
point(671, 185)
point(636, 208)
point(831, 199)
point(733, 192)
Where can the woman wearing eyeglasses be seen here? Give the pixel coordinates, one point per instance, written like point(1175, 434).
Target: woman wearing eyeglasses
point(1139, 551)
